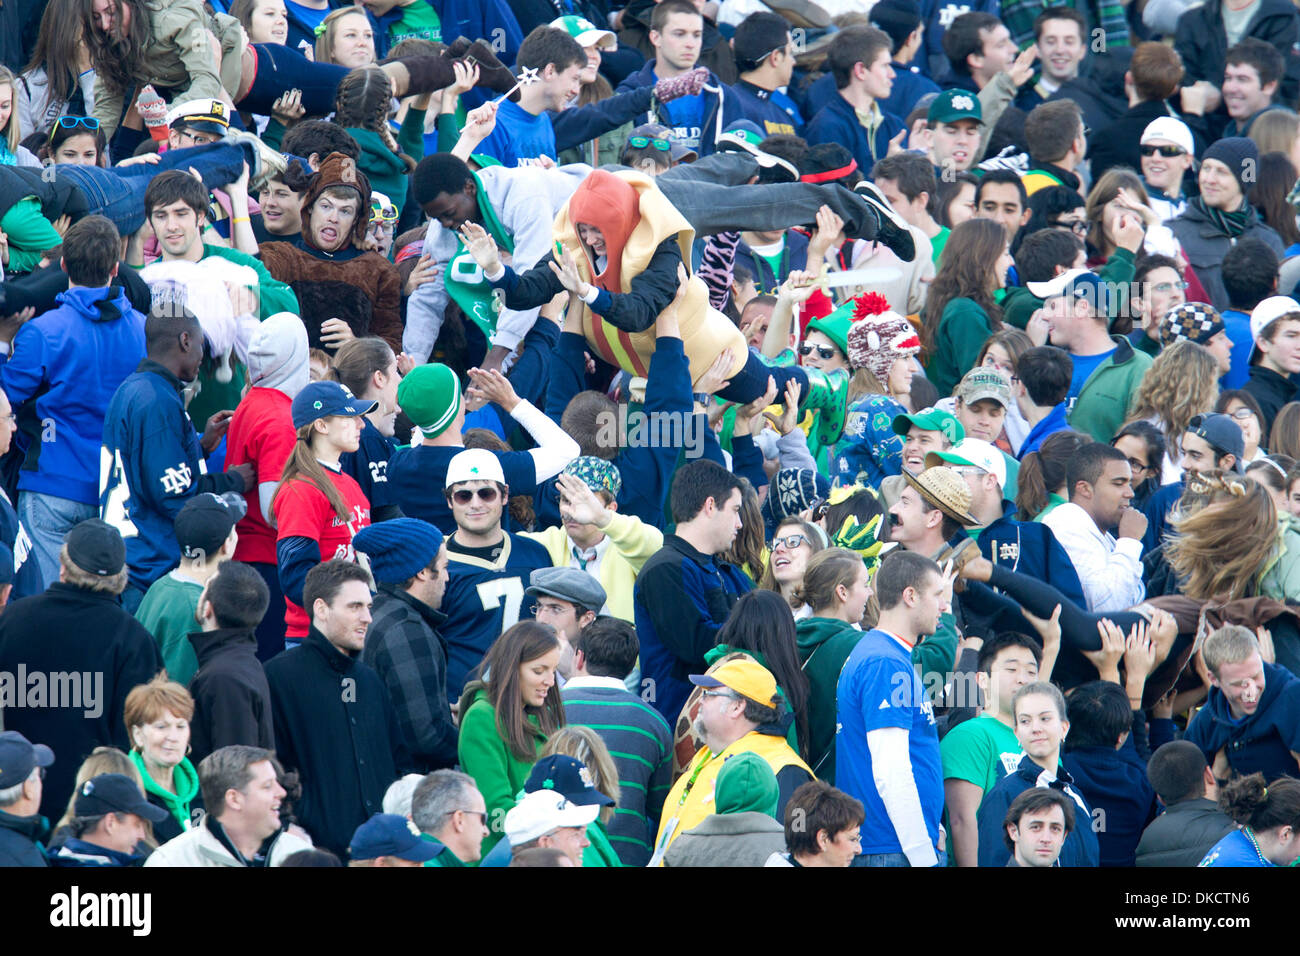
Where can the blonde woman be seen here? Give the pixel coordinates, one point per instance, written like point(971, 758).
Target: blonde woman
point(586, 746)
point(1183, 382)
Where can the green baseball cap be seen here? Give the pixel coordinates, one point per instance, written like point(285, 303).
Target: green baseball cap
point(931, 420)
point(430, 397)
point(952, 105)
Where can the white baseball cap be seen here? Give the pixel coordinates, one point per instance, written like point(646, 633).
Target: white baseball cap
point(1270, 309)
point(543, 811)
point(474, 464)
point(1173, 130)
point(972, 451)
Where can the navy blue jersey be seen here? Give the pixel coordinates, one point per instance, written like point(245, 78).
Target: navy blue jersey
point(483, 599)
point(27, 573)
point(416, 477)
point(369, 464)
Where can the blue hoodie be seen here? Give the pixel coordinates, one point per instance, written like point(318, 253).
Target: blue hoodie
point(1080, 848)
point(65, 367)
point(1261, 742)
point(1115, 783)
point(837, 122)
point(719, 109)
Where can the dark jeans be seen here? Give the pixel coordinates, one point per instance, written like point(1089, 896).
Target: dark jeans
point(891, 859)
point(270, 633)
point(751, 381)
point(280, 68)
point(118, 192)
point(713, 195)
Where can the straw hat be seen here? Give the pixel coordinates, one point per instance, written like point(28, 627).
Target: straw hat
point(944, 489)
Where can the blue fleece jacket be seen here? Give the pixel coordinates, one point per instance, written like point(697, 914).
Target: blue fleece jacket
point(907, 90)
point(1261, 742)
point(838, 123)
point(1080, 847)
point(720, 108)
point(157, 466)
point(492, 20)
point(65, 367)
point(1114, 782)
point(1031, 548)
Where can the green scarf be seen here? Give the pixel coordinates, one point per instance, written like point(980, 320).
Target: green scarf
point(464, 279)
point(1231, 224)
point(186, 780)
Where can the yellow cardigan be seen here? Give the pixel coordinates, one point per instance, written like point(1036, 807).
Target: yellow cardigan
point(631, 542)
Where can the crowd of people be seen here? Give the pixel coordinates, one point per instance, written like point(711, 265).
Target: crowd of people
point(681, 433)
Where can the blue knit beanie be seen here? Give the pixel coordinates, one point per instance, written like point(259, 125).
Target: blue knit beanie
point(398, 549)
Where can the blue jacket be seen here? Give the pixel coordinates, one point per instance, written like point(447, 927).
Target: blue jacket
point(1114, 782)
point(65, 367)
point(1237, 325)
point(1031, 548)
point(682, 598)
point(1080, 847)
point(838, 123)
point(491, 20)
point(773, 111)
point(156, 466)
point(721, 107)
point(908, 89)
point(1261, 742)
point(1054, 422)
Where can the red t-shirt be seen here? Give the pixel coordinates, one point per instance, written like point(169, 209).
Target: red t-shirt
point(261, 434)
point(303, 511)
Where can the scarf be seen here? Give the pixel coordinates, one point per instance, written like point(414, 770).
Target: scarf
point(464, 279)
point(1231, 224)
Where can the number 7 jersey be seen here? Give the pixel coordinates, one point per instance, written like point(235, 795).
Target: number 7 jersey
point(484, 599)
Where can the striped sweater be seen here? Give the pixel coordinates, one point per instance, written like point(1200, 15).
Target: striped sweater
point(640, 742)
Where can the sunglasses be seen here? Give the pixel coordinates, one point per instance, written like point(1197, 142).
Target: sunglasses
point(641, 142)
point(826, 352)
point(789, 542)
point(1169, 286)
point(380, 213)
point(72, 122)
point(1169, 152)
point(486, 495)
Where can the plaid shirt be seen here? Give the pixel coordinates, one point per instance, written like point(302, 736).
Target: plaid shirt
point(404, 647)
point(1019, 16)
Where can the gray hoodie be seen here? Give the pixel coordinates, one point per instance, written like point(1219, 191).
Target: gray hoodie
point(277, 355)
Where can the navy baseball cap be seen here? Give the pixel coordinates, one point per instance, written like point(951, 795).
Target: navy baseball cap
point(114, 793)
point(569, 777)
point(387, 834)
point(1221, 433)
point(19, 756)
point(204, 524)
point(323, 399)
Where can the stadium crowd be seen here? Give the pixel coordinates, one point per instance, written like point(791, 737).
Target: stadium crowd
point(675, 433)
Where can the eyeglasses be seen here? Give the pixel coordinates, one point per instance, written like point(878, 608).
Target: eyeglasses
point(1240, 414)
point(1168, 286)
point(382, 213)
point(486, 495)
point(641, 142)
point(789, 542)
point(548, 608)
point(826, 352)
point(719, 693)
point(1136, 466)
point(1169, 152)
point(1077, 226)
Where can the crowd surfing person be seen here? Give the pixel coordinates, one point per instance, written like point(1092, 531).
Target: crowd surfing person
point(439, 482)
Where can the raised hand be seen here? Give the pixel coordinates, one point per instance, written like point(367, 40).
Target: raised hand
point(566, 270)
point(492, 386)
point(579, 503)
point(481, 246)
point(715, 377)
point(423, 272)
point(788, 420)
point(335, 332)
point(748, 414)
point(288, 108)
point(1022, 70)
point(1106, 660)
point(1139, 654)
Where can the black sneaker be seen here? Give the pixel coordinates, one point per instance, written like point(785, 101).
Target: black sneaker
point(891, 228)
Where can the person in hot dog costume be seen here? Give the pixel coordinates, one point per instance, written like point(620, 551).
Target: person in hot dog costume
point(619, 246)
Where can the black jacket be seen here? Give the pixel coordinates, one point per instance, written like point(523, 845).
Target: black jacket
point(18, 836)
point(1116, 143)
point(70, 631)
point(335, 725)
point(232, 702)
point(1272, 391)
point(405, 649)
point(1183, 834)
point(1202, 42)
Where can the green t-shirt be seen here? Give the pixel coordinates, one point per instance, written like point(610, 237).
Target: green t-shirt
point(937, 244)
point(418, 19)
point(167, 612)
point(981, 750)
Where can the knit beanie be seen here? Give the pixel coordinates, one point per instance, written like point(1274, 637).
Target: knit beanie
point(337, 169)
point(1191, 320)
point(897, 18)
point(878, 335)
point(1239, 154)
point(277, 354)
point(746, 783)
point(399, 548)
point(430, 397)
point(796, 490)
